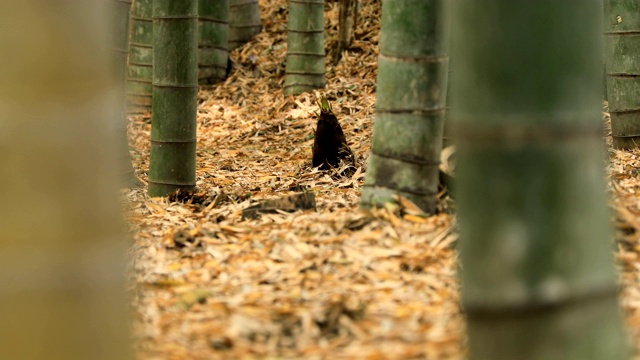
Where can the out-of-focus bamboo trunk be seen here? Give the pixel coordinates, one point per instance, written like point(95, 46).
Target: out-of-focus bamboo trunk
point(120, 12)
point(347, 23)
point(62, 256)
point(244, 21)
point(140, 68)
point(538, 279)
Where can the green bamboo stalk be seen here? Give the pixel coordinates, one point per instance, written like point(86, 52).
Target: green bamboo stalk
point(120, 11)
point(244, 21)
point(140, 72)
point(305, 52)
point(412, 84)
point(62, 256)
point(622, 49)
point(537, 272)
point(175, 92)
point(213, 40)
point(348, 19)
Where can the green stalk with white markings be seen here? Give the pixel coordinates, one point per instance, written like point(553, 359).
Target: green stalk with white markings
point(411, 95)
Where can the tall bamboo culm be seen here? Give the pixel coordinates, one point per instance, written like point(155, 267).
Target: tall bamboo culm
point(538, 279)
point(120, 12)
point(410, 105)
point(622, 54)
point(175, 90)
point(244, 21)
point(348, 20)
point(140, 67)
point(305, 47)
point(213, 40)
point(63, 257)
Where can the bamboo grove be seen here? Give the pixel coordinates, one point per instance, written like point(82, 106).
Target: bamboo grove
point(529, 144)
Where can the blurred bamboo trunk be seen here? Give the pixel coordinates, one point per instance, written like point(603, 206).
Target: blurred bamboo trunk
point(537, 271)
point(120, 10)
point(175, 91)
point(622, 51)
point(244, 21)
point(140, 66)
point(410, 106)
point(305, 47)
point(62, 256)
point(346, 26)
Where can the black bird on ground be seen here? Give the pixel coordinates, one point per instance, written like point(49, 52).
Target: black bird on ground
point(330, 145)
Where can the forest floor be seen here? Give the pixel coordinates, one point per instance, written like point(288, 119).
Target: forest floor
point(336, 283)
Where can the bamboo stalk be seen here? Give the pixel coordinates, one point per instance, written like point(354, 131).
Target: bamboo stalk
point(411, 94)
point(62, 256)
point(622, 48)
point(213, 40)
point(140, 71)
point(537, 272)
point(348, 20)
point(120, 48)
point(244, 21)
point(305, 52)
point(175, 90)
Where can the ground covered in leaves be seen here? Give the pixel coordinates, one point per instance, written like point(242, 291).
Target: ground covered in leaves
point(335, 283)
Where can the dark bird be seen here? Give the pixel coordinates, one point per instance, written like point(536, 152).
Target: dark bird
point(330, 145)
